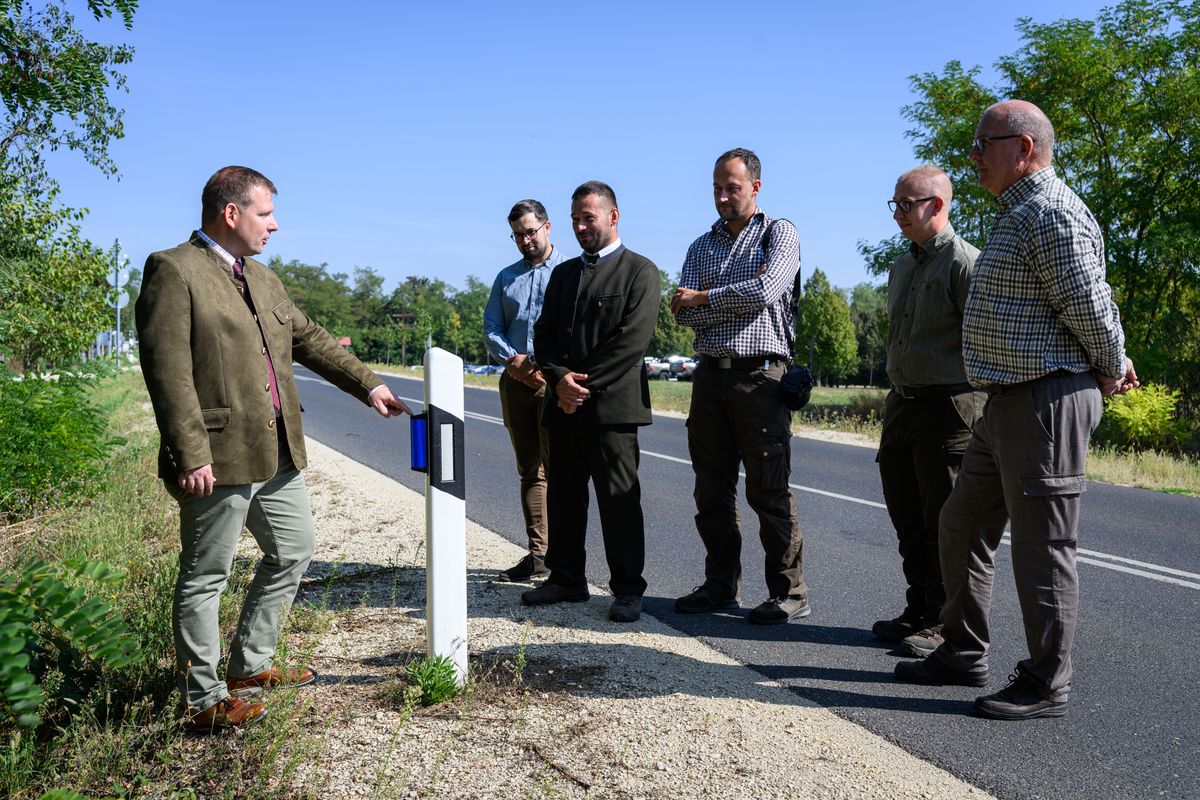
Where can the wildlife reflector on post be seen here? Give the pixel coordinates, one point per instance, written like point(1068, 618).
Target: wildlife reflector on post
point(440, 429)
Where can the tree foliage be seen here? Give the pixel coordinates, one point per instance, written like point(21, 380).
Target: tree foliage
point(56, 87)
point(669, 337)
point(868, 313)
point(1123, 92)
point(825, 331)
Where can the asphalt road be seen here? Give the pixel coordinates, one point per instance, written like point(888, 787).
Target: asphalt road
point(1133, 728)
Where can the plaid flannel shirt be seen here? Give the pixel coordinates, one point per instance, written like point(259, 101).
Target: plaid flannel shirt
point(1038, 300)
point(750, 310)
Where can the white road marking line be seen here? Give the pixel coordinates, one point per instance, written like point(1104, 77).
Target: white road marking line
point(1093, 557)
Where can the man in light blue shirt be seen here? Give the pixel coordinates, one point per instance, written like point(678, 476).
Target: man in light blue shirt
point(512, 309)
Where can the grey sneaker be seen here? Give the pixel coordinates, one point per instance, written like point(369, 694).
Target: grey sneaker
point(922, 643)
point(1019, 700)
point(779, 610)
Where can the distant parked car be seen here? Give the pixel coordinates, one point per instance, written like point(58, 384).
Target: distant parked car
point(681, 368)
point(657, 369)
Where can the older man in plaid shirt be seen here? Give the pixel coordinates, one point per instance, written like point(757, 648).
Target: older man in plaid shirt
point(737, 292)
point(1042, 336)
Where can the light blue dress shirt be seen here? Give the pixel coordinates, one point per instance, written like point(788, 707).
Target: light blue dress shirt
point(515, 304)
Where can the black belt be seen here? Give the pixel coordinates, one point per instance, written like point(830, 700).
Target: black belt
point(936, 390)
point(747, 363)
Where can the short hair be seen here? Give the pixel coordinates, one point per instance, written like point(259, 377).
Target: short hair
point(523, 207)
point(930, 175)
point(230, 185)
point(595, 187)
point(753, 165)
point(1031, 121)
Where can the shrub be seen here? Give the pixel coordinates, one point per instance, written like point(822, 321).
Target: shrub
point(1145, 417)
point(53, 442)
point(48, 627)
point(867, 406)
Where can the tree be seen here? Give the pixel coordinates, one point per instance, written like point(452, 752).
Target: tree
point(1123, 92)
point(669, 336)
point(868, 312)
point(469, 303)
point(825, 331)
point(56, 85)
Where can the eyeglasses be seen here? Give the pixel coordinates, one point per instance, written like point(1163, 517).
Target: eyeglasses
point(907, 205)
point(523, 235)
point(980, 144)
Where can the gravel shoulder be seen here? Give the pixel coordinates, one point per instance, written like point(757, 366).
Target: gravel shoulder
point(564, 704)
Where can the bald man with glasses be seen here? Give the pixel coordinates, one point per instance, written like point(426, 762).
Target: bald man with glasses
point(929, 412)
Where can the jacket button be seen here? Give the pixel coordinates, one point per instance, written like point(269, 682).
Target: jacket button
point(267, 387)
point(764, 430)
point(271, 424)
point(764, 453)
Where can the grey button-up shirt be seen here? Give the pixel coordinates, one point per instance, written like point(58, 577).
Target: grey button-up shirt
point(927, 292)
point(515, 304)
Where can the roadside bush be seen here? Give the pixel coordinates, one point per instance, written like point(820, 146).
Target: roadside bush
point(53, 442)
point(1144, 418)
point(867, 406)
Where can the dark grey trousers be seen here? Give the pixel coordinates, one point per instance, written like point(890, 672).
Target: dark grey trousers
point(1024, 463)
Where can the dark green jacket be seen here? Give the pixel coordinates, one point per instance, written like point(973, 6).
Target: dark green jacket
point(599, 323)
point(202, 358)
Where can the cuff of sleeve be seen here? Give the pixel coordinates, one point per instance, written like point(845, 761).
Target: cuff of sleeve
point(371, 394)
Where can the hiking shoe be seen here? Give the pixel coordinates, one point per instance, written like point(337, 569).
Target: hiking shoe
point(229, 712)
point(779, 610)
point(625, 608)
point(895, 630)
point(922, 643)
point(549, 593)
point(527, 568)
point(1019, 700)
point(703, 600)
point(932, 672)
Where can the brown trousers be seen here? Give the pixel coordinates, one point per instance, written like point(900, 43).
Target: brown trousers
point(1024, 462)
point(522, 410)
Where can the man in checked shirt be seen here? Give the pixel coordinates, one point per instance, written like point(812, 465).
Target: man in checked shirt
point(1042, 336)
point(737, 292)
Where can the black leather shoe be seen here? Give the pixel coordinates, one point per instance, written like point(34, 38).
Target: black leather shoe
point(1019, 700)
point(932, 672)
point(625, 608)
point(703, 600)
point(527, 568)
point(549, 593)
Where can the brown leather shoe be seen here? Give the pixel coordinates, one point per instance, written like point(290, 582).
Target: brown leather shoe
point(231, 712)
point(272, 679)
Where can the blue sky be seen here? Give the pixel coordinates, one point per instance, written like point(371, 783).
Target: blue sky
point(399, 134)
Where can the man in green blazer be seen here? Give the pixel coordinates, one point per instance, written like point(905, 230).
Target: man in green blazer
point(598, 316)
point(218, 337)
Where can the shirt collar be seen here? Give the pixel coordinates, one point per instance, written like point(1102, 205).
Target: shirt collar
point(548, 262)
point(935, 243)
point(612, 248)
point(718, 227)
point(220, 251)
point(1025, 187)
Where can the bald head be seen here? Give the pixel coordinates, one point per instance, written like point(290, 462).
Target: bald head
point(928, 180)
point(1025, 119)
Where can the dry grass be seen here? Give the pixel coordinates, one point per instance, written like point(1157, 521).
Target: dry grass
point(1146, 470)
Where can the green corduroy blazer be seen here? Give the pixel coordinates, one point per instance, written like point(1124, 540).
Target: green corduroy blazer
point(202, 359)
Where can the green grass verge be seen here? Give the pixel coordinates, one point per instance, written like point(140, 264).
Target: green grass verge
point(123, 737)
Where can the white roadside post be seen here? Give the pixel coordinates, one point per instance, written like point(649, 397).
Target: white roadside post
point(440, 429)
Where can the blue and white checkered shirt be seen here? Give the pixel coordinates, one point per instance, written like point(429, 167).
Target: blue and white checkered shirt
point(750, 310)
point(1038, 300)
